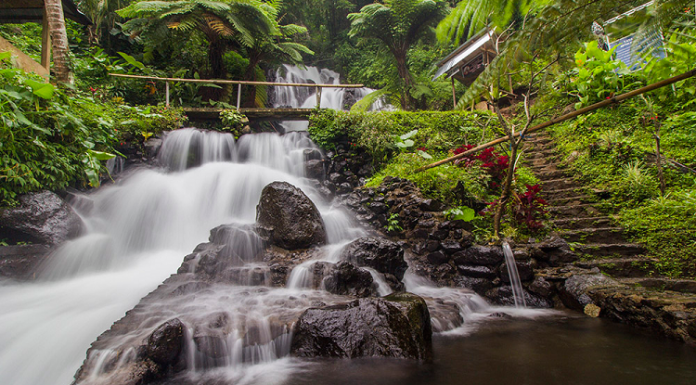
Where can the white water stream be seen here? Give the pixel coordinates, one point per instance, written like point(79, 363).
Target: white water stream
point(139, 230)
point(306, 97)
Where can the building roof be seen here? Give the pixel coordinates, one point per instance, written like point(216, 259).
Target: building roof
point(31, 11)
point(464, 53)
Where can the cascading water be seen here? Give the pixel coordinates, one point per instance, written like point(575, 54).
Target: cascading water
point(515, 282)
point(139, 229)
point(305, 97)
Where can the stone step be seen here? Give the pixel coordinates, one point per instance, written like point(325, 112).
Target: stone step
point(561, 193)
point(631, 267)
point(610, 250)
point(550, 174)
point(559, 184)
point(570, 201)
point(581, 223)
point(609, 235)
point(543, 167)
point(545, 153)
point(662, 283)
point(575, 211)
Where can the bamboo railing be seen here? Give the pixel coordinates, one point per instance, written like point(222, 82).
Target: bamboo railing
point(239, 84)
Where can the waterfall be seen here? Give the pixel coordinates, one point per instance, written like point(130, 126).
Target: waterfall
point(139, 229)
point(306, 97)
point(515, 282)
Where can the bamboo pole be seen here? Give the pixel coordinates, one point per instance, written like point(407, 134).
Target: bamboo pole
point(603, 103)
point(224, 81)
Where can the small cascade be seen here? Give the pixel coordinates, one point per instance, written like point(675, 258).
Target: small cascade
point(515, 282)
point(189, 148)
point(236, 315)
point(306, 97)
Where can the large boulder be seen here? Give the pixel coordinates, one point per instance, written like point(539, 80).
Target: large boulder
point(42, 217)
point(346, 279)
point(383, 255)
point(555, 251)
point(160, 356)
point(394, 326)
point(574, 291)
point(479, 255)
point(289, 218)
point(21, 261)
point(165, 344)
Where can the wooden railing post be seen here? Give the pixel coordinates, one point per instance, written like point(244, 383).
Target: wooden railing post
point(239, 95)
point(166, 92)
point(319, 97)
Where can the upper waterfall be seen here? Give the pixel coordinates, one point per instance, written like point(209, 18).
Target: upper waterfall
point(306, 97)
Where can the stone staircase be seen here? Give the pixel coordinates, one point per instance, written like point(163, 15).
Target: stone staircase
point(577, 217)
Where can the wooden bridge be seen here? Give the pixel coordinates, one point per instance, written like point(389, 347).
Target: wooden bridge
point(208, 113)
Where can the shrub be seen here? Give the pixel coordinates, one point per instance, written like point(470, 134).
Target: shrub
point(51, 138)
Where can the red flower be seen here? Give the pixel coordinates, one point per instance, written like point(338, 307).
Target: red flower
point(422, 149)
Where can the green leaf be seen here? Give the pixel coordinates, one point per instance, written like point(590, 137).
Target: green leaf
point(42, 90)
point(424, 154)
point(99, 155)
point(408, 134)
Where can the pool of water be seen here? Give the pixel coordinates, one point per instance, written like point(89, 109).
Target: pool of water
point(569, 349)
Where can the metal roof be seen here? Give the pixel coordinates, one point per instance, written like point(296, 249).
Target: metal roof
point(31, 11)
point(463, 53)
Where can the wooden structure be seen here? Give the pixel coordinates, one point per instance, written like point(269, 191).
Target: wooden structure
point(33, 11)
point(467, 62)
point(251, 113)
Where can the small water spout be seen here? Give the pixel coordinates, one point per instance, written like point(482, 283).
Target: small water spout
point(515, 282)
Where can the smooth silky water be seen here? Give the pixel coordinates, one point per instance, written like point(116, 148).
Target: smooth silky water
point(306, 97)
point(140, 228)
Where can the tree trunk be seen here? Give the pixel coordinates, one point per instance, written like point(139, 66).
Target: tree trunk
point(216, 49)
point(59, 39)
point(250, 74)
point(402, 67)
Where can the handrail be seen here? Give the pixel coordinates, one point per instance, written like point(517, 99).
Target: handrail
point(225, 81)
point(603, 103)
point(239, 84)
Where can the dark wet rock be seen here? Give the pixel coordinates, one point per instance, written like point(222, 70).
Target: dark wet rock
point(159, 357)
point(555, 251)
point(289, 218)
point(524, 269)
point(346, 279)
point(394, 326)
point(21, 261)
point(439, 234)
point(314, 168)
point(542, 287)
point(432, 245)
point(479, 255)
point(503, 296)
point(479, 285)
point(344, 188)
point(574, 291)
point(165, 344)
point(378, 208)
point(385, 256)
point(437, 258)
point(313, 154)
point(41, 217)
point(451, 247)
point(477, 271)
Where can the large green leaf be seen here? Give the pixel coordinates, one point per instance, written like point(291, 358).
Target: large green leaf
point(42, 90)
